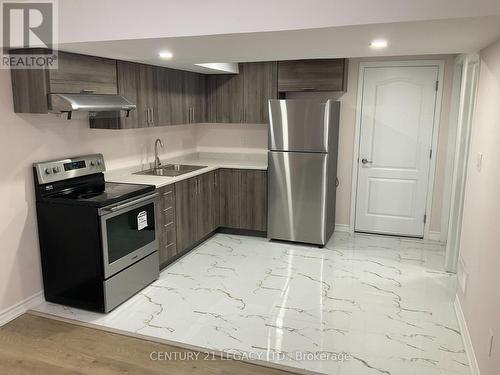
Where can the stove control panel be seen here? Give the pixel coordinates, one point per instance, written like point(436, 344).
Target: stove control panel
point(57, 170)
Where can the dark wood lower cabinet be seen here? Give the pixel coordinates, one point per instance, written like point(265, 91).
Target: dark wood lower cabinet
point(198, 206)
point(207, 204)
point(243, 199)
point(185, 213)
point(253, 200)
point(230, 202)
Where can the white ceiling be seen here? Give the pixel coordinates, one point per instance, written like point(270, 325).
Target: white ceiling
point(99, 20)
point(459, 35)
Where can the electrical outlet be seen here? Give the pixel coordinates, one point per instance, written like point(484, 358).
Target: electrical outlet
point(490, 343)
point(479, 161)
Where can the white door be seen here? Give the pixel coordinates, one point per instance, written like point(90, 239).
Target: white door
point(397, 119)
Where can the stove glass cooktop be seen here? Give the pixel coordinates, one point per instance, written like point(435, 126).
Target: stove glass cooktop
point(110, 193)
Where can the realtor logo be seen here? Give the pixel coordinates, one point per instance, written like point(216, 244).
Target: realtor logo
point(29, 25)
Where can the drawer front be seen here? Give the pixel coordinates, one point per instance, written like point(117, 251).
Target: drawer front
point(168, 241)
point(168, 197)
point(168, 215)
point(126, 283)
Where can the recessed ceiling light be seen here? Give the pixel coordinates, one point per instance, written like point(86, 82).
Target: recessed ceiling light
point(166, 54)
point(378, 44)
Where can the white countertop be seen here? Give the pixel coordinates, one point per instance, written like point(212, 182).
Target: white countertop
point(212, 161)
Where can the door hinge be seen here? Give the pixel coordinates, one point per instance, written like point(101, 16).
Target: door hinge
point(437, 85)
point(425, 218)
point(430, 154)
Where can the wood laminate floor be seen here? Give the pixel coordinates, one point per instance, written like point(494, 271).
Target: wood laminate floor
point(35, 345)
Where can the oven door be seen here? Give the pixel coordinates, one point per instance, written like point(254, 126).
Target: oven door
point(128, 232)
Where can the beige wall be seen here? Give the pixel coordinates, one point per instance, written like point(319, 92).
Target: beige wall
point(480, 239)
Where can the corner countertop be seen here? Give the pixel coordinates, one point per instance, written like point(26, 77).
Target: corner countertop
point(211, 161)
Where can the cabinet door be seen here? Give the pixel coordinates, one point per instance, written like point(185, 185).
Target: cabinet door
point(206, 205)
point(195, 97)
point(312, 75)
point(216, 199)
point(170, 87)
point(230, 198)
point(127, 77)
point(253, 200)
point(260, 84)
point(185, 213)
point(80, 72)
point(147, 96)
point(162, 86)
point(226, 98)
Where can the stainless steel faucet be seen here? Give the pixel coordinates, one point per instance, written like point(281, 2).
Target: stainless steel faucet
point(157, 158)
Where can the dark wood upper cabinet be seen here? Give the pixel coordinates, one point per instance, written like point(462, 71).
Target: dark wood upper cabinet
point(238, 98)
point(127, 78)
point(170, 97)
point(195, 97)
point(181, 97)
point(75, 73)
point(225, 98)
point(147, 96)
point(259, 85)
point(165, 96)
point(312, 75)
point(80, 72)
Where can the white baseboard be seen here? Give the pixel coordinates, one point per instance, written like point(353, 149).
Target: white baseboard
point(342, 228)
point(469, 349)
point(434, 236)
point(20, 308)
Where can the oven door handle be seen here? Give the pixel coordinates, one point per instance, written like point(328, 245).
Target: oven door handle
point(132, 203)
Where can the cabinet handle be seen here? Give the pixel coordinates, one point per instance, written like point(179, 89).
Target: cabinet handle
point(215, 179)
point(307, 88)
point(148, 118)
point(152, 117)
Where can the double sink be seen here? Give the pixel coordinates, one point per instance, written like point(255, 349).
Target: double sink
point(171, 170)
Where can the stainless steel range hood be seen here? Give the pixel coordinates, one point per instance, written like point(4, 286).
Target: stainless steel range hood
point(98, 105)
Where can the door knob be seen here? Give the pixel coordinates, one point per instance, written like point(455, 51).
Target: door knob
point(366, 161)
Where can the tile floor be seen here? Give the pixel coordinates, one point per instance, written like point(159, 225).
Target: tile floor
point(385, 302)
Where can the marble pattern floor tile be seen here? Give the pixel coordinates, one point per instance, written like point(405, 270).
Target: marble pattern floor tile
point(385, 302)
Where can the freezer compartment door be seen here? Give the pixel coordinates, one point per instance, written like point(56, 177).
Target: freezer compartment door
point(297, 194)
point(299, 125)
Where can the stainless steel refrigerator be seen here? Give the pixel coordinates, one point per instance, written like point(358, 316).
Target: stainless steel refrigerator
point(302, 156)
